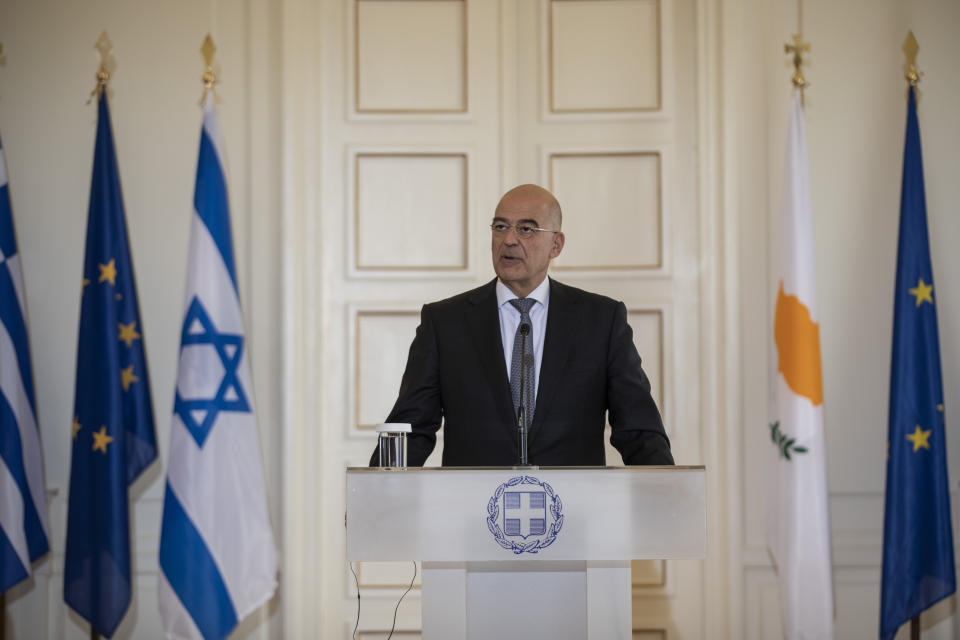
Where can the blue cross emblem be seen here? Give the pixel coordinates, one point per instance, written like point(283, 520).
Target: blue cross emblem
point(524, 513)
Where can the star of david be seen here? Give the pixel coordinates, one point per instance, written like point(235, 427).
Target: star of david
point(216, 356)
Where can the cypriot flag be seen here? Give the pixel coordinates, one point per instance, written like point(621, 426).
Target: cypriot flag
point(798, 528)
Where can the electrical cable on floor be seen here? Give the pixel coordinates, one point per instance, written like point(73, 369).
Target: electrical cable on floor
point(412, 580)
point(356, 582)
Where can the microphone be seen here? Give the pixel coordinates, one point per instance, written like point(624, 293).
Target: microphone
point(524, 330)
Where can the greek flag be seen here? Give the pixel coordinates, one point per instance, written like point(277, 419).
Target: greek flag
point(217, 555)
point(24, 531)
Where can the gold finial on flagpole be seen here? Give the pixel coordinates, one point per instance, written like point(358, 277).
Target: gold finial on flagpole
point(910, 48)
point(107, 65)
point(209, 77)
point(797, 49)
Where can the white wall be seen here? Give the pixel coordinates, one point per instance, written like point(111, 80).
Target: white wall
point(48, 134)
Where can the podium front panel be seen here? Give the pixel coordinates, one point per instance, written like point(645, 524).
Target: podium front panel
point(531, 514)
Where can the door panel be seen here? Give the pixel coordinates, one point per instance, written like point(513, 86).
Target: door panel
point(430, 110)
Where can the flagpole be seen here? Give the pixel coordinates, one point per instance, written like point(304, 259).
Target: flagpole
point(3, 594)
point(103, 76)
point(797, 49)
point(910, 48)
point(104, 47)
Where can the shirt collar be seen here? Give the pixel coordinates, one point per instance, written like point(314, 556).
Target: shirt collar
point(541, 294)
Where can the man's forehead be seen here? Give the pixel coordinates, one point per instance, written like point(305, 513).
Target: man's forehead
point(514, 219)
point(523, 210)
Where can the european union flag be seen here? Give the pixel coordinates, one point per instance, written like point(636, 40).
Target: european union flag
point(113, 432)
point(917, 540)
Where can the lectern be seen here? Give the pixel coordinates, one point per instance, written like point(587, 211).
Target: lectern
point(534, 552)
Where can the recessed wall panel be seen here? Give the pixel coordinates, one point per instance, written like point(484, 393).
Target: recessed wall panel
point(411, 211)
point(387, 575)
point(648, 573)
point(648, 332)
point(383, 340)
point(648, 337)
point(411, 56)
point(604, 55)
point(612, 209)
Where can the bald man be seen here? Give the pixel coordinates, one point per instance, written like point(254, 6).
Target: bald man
point(581, 366)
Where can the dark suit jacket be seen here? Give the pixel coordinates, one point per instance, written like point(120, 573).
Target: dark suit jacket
point(456, 373)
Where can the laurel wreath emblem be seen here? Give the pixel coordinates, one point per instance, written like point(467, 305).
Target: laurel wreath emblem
point(529, 546)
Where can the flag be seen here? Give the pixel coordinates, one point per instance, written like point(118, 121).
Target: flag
point(113, 432)
point(798, 526)
point(917, 540)
point(217, 555)
point(24, 530)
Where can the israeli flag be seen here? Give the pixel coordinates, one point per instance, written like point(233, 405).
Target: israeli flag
point(24, 531)
point(217, 555)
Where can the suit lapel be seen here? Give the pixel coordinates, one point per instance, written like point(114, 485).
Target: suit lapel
point(562, 322)
point(483, 319)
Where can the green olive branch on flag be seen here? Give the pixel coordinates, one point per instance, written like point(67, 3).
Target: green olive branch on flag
point(784, 443)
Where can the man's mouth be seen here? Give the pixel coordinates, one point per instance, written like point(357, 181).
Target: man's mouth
point(511, 259)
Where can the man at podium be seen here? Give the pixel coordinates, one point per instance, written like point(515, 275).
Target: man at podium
point(524, 348)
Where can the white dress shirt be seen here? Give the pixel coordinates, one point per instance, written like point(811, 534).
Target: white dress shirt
point(510, 320)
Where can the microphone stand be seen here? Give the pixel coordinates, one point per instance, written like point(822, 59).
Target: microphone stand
point(524, 330)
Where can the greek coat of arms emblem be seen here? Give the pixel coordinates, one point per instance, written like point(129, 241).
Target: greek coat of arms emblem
point(524, 515)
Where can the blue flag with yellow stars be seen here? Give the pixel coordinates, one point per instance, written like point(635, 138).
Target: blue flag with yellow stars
point(113, 431)
point(917, 540)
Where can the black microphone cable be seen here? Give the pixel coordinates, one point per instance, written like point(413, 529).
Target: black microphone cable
point(356, 582)
point(397, 608)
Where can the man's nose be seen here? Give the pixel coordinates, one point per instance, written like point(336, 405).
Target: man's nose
point(512, 238)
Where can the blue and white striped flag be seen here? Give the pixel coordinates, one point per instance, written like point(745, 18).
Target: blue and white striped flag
point(217, 555)
point(24, 531)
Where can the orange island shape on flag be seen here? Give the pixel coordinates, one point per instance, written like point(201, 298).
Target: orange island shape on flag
point(798, 347)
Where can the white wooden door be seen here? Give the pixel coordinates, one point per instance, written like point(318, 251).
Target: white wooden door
point(426, 112)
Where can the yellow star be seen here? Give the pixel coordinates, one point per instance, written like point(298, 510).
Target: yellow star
point(86, 281)
point(939, 407)
point(919, 438)
point(108, 272)
point(922, 292)
point(127, 377)
point(76, 427)
point(101, 439)
point(128, 332)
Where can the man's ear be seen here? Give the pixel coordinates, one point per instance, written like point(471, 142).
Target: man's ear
point(558, 241)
